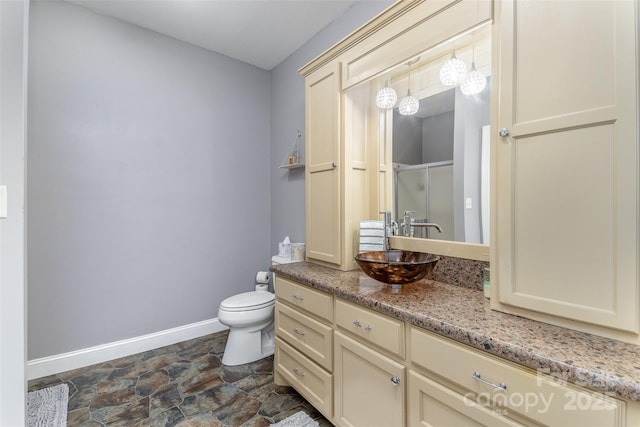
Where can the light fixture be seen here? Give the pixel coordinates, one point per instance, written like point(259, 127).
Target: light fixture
point(409, 105)
point(386, 97)
point(453, 71)
point(474, 82)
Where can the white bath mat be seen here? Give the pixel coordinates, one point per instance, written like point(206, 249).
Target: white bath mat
point(299, 419)
point(48, 407)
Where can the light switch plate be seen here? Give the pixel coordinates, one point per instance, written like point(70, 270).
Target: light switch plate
point(3, 201)
point(468, 203)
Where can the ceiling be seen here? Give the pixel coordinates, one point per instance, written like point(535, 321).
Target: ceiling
point(259, 32)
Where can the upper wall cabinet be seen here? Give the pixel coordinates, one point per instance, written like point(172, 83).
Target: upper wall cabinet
point(565, 248)
point(347, 152)
point(323, 120)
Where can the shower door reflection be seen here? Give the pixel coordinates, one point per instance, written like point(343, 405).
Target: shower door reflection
point(426, 189)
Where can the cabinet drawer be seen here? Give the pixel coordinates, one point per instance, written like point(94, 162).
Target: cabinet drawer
point(310, 380)
point(378, 329)
point(535, 396)
point(306, 335)
point(316, 302)
point(432, 404)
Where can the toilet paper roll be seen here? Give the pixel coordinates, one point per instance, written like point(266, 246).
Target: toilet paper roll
point(263, 287)
point(263, 277)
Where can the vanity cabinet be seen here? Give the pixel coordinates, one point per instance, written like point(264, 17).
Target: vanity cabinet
point(565, 164)
point(362, 368)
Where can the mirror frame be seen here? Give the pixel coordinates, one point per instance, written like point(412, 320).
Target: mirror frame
point(473, 251)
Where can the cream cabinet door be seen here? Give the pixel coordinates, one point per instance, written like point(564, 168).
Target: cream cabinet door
point(322, 151)
point(369, 389)
point(566, 160)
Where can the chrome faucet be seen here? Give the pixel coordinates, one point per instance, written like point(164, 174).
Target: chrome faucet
point(408, 222)
point(427, 224)
point(387, 229)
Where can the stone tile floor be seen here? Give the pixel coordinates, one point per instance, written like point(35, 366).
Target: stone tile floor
point(183, 384)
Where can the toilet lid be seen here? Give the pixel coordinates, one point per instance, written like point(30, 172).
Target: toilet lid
point(253, 300)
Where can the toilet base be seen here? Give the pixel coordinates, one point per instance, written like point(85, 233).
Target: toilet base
point(246, 345)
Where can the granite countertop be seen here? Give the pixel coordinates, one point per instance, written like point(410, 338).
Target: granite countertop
point(463, 314)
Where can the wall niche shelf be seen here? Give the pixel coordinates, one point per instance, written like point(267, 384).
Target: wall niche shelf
point(292, 166)
point(295, 156)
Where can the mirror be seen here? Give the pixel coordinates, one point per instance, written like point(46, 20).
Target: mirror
point(441, 167)
point(440, 155)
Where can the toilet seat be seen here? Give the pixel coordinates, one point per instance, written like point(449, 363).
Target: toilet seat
point(248, 301)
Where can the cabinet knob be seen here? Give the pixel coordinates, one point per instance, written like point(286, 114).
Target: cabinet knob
point(297, 298)
point(334, 165)
point(395, 380)
point(298, 331)
point(357, 323)
point(298, 373)
point(503, 132)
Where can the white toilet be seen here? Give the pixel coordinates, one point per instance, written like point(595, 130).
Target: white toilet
point(249, 316)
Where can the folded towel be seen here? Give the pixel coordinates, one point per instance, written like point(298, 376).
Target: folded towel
point(371, 240)
point(371, 236)
point(372, 224)
point(365, 247)
point(371, 232)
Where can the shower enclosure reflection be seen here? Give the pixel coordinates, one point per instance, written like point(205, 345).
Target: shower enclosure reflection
point(427, 190)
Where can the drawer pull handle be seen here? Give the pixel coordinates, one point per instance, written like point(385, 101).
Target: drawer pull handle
point(298, 331)
point(359, 325)
point(395, 380)
point(477, 376)
point(298, 373)
point(296, 297)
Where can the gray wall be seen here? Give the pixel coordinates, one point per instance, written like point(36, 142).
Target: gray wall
point(287, 116)
point(437, 138)
point(14, 18)
point(148, 190)
point(472, 112)
point(407, 139)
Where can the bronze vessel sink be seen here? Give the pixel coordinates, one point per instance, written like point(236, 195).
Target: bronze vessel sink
point(396, 267)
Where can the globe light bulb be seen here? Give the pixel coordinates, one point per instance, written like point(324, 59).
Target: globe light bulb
point(386, 97)
point(474, 82)
point(453, 71)
point(409, 105)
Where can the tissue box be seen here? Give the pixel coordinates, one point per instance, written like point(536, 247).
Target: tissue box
point(297, 251)
point(284, 250)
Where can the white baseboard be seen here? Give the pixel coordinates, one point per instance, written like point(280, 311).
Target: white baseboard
point(50, 365)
